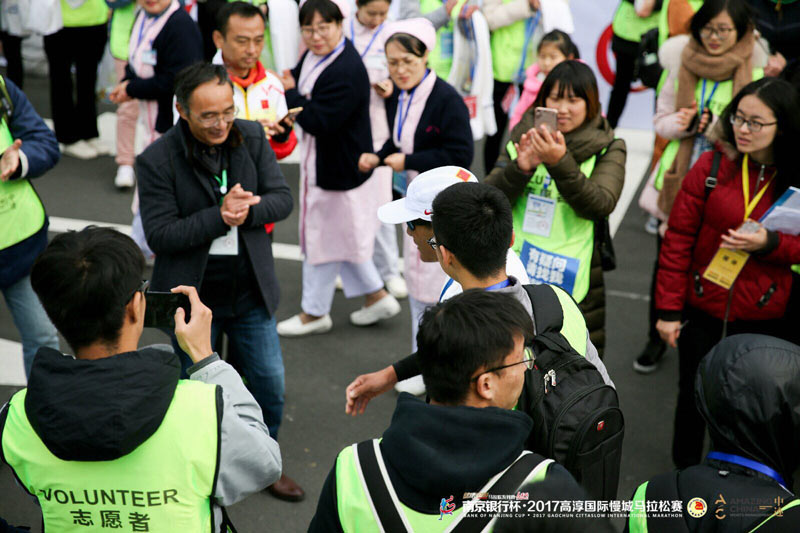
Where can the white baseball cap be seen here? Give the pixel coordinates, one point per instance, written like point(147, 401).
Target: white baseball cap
point(418, 203)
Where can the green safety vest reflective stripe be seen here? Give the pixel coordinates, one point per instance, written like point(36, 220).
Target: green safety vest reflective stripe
point(507, 50)
point(637, 520)
point(121, 27)
point(566, 255)
point(630, 26)
point(165, 484)
point(355, 507)
point(21, 210)
point(722, 97)
point(442, 63)
point(663, 19)
point(90, 13)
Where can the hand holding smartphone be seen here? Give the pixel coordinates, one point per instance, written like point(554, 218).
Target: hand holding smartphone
point(161, 306)
point(546, 116)
point(288, 120)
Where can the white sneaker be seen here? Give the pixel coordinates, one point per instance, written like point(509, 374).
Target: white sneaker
point(339, 285)
point(651, 226)
point(125, 177)
point(386, 307)
point(80, 150)
point(413, 386)
point(99, 146)
point(397, 287)
point(294, 327)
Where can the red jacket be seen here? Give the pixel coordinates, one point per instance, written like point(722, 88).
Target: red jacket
point(696, 225)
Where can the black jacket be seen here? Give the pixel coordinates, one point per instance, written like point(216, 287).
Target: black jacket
point(181, 213)
point(778, 27)
point(178, 45)
point(337, 115)
point(433, 452)
point(443, 136)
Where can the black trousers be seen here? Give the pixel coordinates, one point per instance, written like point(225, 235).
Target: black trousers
point(701, 333)
point(207, 22)
point(625, 53)
point(652, 332)
point(12, 50)
point(491, 149)
point(75, 119)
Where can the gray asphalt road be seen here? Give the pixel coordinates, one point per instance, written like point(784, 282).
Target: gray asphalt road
point(319, 368)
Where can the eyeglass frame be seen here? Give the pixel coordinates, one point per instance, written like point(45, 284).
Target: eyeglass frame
point(310, 31)
point(141, 288)
point(750, 123)
point(716, 31)
point(433, 243)
point(412, 224)
point(206, 122)
point(528, 362)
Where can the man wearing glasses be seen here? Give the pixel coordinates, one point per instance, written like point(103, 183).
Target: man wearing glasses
point(111, 435)
point(207, 188)
point(473, 352)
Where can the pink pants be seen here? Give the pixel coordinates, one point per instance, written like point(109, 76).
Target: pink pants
point(127, 114)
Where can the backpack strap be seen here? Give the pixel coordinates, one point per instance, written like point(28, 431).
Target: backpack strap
point(664, 487)
point(547, 312)
point(711, 180)
point(378, 487)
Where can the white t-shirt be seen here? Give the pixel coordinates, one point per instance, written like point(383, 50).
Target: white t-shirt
point(514, 268)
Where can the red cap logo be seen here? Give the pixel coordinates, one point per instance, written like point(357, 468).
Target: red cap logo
point(428, 212)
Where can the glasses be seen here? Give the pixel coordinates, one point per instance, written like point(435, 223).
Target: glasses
point(528, 360)
point(722, 32)
point(394, 64)
point(435, 245)
point(141, 288)
point(412, 224)
point(323, 30)
point(753, 125)
point(212, 119)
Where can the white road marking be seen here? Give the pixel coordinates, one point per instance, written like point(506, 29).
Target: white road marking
point(12, 370)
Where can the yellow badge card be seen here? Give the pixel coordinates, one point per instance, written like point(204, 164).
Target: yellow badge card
point(725, 267)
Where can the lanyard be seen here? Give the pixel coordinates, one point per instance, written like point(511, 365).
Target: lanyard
point(353, 35)
point(748, 463)
point(329, 54)
point(223, 183)
point(446, 286)
point(497, 286)
point(146, 19)
point(748, 205)
point(530, 28)
point(401, 119)
point(703, 102)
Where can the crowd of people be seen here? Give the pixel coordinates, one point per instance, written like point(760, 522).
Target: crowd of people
point(504, 276)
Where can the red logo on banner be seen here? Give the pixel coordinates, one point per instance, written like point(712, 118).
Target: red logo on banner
point(472, 105)
point(603, 64)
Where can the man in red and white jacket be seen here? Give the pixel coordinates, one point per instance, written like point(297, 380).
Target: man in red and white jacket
point(258, 94)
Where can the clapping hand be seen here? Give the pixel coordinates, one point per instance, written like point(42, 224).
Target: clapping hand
point(236, 205)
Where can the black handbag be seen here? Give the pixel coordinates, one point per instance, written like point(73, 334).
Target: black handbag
point(602, 232)
point(646, 67)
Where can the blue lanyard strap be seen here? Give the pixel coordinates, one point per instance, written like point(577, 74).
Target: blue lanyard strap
point(329, 54)
point(530, 28)
point(401, 119)
point(446, 286)
point(747, 463)
point(371, 41)
point(703, 102)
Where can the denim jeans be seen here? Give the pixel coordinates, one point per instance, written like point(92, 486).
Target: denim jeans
point(254, 338)
point(31, 320)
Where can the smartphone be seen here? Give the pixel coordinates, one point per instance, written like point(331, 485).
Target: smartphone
point(381, 87)
point(161, 306)
point(546, 116)
point(291, 114)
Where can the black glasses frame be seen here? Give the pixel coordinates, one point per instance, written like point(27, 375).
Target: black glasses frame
point(141, 288)
point(528, 359)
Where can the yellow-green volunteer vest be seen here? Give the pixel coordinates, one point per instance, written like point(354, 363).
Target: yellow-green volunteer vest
point(507, 43)
point(630, 26)
point(663, 19)
point(121, 27)
point(564, 258)
point(440, 59)
point(21, 211)
point(722, 97)
point(164, 484)
point(90, 13)
point(354, 507)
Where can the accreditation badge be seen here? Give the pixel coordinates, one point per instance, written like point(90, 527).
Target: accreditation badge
point(725, 267)
point(400, 182)
point(539, 214)
point(446, 51)
point(228, 244)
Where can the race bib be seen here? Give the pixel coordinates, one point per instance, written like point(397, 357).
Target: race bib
point(549, 267)
point(228, 244)
point(446, 42)
point(725, 267)
point(400, 182)
point(539, 213)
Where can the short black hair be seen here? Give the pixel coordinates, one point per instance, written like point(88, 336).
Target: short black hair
point(782, 98)
point(562, 41)
point(240, 9)
point(474, 222)
point(328, 10)
point(195, 75)
point(410, 44)
point(468, 332)
point(362, 3)
point(737, 9)
point(84, 280)
point(572, 77)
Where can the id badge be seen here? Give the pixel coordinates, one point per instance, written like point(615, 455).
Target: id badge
point(400, 182)
point(446, 42)
point(228, 244)
point(539, 213)
point(725, 267)
point(375, 62)
point(149, 57)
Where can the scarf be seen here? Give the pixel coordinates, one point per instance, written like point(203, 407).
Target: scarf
point(697, 64)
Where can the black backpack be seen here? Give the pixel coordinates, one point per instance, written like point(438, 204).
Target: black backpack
point(577, 419)
point(646, 67)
